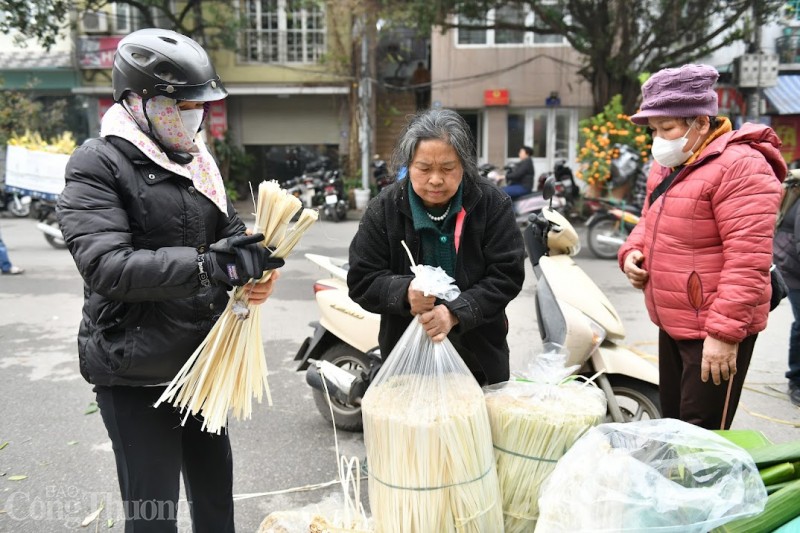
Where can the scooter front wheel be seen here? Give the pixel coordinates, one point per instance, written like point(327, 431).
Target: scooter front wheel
point(347, 417)
point(637, 400)
point(602, 236)
point(56, 242)
point(19, 209)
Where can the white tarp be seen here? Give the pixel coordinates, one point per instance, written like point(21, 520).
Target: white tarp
point(35, 171)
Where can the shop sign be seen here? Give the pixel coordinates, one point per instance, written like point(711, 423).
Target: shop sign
point(217, 119)
point(97, 52)
point(787, 126)
point(495, 97)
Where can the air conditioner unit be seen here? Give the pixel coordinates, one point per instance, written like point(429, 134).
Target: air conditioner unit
point(94, 22)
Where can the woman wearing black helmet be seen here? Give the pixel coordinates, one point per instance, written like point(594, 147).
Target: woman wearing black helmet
point(141, 212)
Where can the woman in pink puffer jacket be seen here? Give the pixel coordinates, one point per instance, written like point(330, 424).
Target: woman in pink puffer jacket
point(703, 247)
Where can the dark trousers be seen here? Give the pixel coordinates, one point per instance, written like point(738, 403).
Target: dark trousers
point(515, 190)
point(794, 339)
point(684, 395)
point(152, 449)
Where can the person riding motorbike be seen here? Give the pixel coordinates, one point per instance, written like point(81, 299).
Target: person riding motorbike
point(519, 180)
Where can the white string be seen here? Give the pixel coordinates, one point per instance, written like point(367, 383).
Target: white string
point(352, 505)
point(410, 258)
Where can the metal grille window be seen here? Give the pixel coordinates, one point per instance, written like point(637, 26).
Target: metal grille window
point(504, 36)
point(283, 31)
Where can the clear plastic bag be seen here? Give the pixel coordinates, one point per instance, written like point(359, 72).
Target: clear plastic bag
point(323, 517)
point(656, 475)
point(533, 424)
point(434, 281)
point(549, 366)
point(429, 445)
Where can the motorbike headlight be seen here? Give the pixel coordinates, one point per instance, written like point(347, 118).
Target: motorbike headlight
point(598, 333)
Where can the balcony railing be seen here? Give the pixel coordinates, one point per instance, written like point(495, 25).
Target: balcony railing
point(788, 49)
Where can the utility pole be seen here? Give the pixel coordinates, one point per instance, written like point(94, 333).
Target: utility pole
point(756, 71)
point(366, 93)
point(756, 101)
point(364, 98)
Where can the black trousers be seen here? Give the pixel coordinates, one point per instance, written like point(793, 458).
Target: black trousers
point(152, 449)
point(684, 395)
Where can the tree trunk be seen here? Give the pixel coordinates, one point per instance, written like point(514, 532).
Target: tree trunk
point(353, 150)
point(605, 85)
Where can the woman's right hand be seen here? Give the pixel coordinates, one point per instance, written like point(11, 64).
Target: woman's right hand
point(419, 302)
point(632, 268)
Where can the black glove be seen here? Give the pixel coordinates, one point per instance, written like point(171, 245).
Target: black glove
point(237, 260)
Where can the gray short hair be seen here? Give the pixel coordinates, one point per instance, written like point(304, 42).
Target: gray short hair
point(442, 124)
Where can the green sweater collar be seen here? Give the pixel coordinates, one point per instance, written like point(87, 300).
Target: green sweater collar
point(420, 214)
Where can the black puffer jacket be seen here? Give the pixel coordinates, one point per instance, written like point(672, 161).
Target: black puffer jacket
point(521, 174)
point(786, 247)
point(134, 231)
point(489, 272)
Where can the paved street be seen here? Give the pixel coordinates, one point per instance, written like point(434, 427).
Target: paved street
point(67, 456)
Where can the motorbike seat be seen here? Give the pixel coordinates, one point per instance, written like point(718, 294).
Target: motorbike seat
point(635, 209)
point(527, 196)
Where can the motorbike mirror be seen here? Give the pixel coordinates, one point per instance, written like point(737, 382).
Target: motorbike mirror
point(549, 188)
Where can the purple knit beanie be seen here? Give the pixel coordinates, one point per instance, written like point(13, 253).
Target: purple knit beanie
point(687, 91)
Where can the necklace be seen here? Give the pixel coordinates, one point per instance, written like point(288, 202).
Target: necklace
point(440, 217)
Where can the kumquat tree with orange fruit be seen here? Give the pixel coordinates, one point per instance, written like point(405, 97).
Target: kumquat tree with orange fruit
point(599, 135)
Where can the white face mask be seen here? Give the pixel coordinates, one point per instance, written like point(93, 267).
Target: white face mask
point(192, 118)
point(670, 153)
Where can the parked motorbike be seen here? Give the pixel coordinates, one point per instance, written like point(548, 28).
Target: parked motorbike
point(309, 186)
point(574, 313)
point(335, 208)
point(612, 220)
point(529, 204)
point(533, 203)
point(48, 224)
point(15, 203)
point(494, 174)
point(342, 354)
point(565, 185)
point(609, 227)
point(380, 173)
point(344, 345)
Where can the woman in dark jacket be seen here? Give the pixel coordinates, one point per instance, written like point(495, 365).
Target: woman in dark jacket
point(786, 254)
point(158, 244)
point(450, 218)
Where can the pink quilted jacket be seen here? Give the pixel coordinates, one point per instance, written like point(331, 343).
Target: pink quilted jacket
point(707, 241)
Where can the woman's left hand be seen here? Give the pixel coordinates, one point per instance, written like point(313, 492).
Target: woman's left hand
point(438, 322)
point(257, 293)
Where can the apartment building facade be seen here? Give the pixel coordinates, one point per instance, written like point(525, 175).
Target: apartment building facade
point(514, 88)
point(286, 104)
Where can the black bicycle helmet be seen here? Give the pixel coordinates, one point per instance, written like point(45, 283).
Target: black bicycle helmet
point(153, 62)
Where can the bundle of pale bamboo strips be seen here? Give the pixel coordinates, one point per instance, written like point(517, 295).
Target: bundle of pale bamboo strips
point(533, 425)
point(431, 466)
point(229, 369)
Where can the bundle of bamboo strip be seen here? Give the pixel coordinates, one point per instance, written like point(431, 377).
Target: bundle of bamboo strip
point(228, 369)
point(533, 425)
point(431, 466)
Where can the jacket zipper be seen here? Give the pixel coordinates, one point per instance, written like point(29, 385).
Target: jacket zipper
point(653, 240)
point(652, 248)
